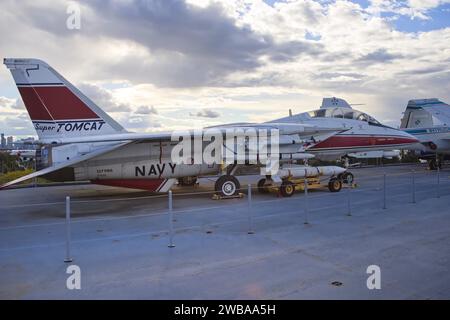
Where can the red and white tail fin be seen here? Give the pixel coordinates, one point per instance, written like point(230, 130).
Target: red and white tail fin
point(56, 108)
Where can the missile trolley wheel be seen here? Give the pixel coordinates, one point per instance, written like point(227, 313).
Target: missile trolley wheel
point(287, 189)
point(346, 177)
point(335, 185)
point(227, 186)
point(261, 188)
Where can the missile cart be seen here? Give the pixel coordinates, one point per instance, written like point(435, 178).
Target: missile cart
point(292, 178)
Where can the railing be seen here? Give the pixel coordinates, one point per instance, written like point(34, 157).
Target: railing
point(380, 192)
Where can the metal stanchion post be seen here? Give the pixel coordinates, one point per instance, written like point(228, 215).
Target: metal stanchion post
point(171, 245)
point(384, 191)
point(306, 197)
point(68, 257)
point(35, 169)
point(438, 182)
point(413, 186)
point(250, 222)
point(349, 199)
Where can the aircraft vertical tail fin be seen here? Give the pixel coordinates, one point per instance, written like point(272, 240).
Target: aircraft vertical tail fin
point(422, 113)
point(56, 107)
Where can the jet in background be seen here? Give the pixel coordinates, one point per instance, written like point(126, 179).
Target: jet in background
point(81, 142)
point(367, 139)
point(428, 120)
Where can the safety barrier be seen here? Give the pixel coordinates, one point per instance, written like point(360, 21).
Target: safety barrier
point(380, 183)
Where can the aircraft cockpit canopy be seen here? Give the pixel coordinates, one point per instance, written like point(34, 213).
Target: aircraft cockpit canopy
point(343, 113)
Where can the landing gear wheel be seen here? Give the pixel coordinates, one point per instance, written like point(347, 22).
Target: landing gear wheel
point(433, 164)
point(346, 177)
point(335, 185)
point(227, 186)
point(187, 181)
point(287, 189)
point(261, 188)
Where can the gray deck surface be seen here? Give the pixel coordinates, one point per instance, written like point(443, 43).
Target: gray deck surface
point(120, 238)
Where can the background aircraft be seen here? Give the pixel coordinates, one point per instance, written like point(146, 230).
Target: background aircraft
point(81, 142)
point(361, 136)
point(428, 120)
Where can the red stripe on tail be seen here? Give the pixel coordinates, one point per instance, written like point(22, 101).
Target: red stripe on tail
point(59, 101)
point(368, 141)
point(33, 104)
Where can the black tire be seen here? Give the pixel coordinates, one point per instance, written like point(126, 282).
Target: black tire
point(335, 185)
point(287, 189)
point(261, 188)
point(433, 164)
point(187, 181)
point(227, 186)
point(347, 177)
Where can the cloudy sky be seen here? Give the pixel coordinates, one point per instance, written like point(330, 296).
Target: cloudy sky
point(173, 64)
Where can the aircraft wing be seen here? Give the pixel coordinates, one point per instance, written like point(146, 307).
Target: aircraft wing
point(301, 130)
point(65, 164)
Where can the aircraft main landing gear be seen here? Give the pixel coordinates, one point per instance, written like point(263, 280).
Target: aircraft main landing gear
point(264, 183)
point(227, 186)
point(433, 164)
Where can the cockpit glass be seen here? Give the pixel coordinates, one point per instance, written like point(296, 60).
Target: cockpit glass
point(343, 113)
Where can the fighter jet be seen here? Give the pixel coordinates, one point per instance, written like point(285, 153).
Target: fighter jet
point(428, 120)
point(81, 142)
point(361, 136)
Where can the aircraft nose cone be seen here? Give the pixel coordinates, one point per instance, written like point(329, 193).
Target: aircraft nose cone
point(409, 141)
point(409, 137)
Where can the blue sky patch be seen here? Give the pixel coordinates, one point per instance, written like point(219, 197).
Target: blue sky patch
point(310, 36)
point(439, 19)
point(363, 3)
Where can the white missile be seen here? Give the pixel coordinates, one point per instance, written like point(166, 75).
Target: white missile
point(375, 154)
point(296, 156)
point(296, 171)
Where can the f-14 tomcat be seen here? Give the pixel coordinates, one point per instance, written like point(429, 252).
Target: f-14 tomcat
point(81, 142)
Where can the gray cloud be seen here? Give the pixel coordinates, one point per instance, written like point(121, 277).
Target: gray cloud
point(146, 110)
point(423, 71)
point(17, 125)
point(331, 75)
point(6, 102)
point(186, 45)
point(140, 123)
point(379, 56)
point(103, 98)
point(173, 44)
point(192, 46)
point(206, 113)
point(289, 51)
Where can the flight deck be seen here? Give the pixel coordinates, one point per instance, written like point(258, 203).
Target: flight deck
point(314, 246)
